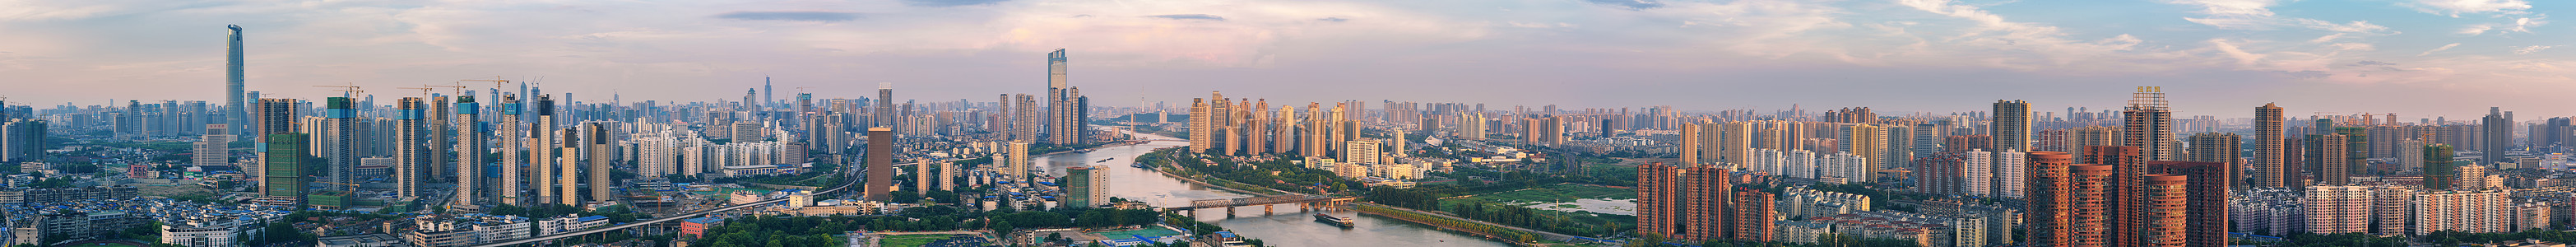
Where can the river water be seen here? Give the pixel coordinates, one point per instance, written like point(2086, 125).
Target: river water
point(1287, 227)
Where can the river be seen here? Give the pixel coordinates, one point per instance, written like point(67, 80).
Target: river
point(1288, 227)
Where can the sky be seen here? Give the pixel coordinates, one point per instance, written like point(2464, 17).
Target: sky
point(2416, 58)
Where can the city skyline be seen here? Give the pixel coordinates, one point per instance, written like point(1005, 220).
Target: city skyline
point(2451, 57)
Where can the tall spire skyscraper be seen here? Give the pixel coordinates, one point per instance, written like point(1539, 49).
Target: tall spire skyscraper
point(234, 113)
point(768, 94)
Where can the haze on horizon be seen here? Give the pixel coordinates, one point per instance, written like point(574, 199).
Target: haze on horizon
point(2417, 58)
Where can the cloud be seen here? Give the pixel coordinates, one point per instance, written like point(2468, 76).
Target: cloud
point(1333, 19)
point(1630, 4)
point(2258, 15)
point(1190, 17)
point(2528, 50)
point(950, 3)
point(2454, 8)
point(2476, 29)
point(814, 16)
point(2443, 48)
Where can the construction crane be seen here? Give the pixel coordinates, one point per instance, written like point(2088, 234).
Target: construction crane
point(350, 90)
point(424, 89)
point(496, 82)
point(424, 92)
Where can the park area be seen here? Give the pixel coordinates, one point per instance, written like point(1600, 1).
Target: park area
point(1565, 197)
point(912, 240)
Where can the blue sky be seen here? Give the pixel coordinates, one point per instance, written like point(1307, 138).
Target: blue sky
point(2417, 58)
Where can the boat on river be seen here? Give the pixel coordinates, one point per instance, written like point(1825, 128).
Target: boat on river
point(1335, 221)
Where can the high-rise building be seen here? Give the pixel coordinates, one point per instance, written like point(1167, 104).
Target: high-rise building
point(340, 145)
point(283, 165)
point(1688, 146)
point(233, 105)
point(514, 165)
point(600, 154)
point(2331, 155)
point(1200, 137)
point(2011, 127)
point(1869, 141)
point(2335, 209)
point(1067, 109)
point(212, 149)
point(1360, 152)
point(880, 164)
point(2217, 148)
point(2269, 168)
point(2148, 125)
point(2066, 201)
point(2011, 173)
point(567, 174)
point(2495, 137)
point(884, 115)
point(411, 147)
point(1017, 168)
point(2162, 223)
point(471, 138)
point(2462, 211)
point(1085, 187)
point(1700, 204)
point(2205, 208)
point(543, 147)
point(2122, 206)
point(2440, 172)
point(1734, 142)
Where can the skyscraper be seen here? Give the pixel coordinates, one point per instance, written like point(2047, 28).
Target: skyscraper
point(2011, 127)
point(880, 162)
point(2269, 168)
point(233, 105)
point(2332, 153)
point(2496, 136)
point(542, 150)
point(600, 154)
point(471, 136)
point(1201, 140)
point(340, 145)
point(2148, 125)
point(514, 164)
point(884, 115)
point(284, 154)
point(1065, 105)
point(566, 172)
point(1688, 146)
point(411, 147)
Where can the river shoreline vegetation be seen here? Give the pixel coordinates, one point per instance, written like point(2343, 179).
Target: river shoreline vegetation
point(766, 230)
point(1277, 172)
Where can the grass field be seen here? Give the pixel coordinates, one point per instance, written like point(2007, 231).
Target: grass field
point(910, 240)
point(1560, 192)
